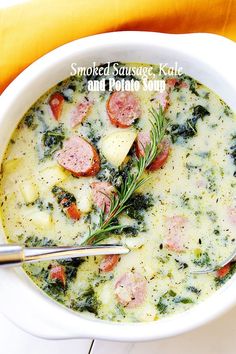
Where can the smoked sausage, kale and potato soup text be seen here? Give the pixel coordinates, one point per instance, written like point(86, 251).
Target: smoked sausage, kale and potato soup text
point(154, 171)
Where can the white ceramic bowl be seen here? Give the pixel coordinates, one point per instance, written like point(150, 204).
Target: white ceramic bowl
point(208, 58)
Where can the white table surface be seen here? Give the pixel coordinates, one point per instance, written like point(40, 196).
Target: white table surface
point(218, 337)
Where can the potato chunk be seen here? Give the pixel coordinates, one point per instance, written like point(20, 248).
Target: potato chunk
point(41, 219)
point(116, 146)
point(85, 202)
point(29, 191)
point(51, 176)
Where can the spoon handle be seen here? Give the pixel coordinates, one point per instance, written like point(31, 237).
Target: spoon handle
point(13, 255)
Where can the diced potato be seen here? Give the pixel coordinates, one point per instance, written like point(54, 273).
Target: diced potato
point(11, 165)
point(51, 176)
point(84, 202)
point(116, 146)
point(135, 242)
point(41, 219)
point(29, 191)
point(84, 197)
point(106, 295)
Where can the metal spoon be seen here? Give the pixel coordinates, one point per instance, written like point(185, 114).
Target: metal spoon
point(231, 258)
point(14, 255)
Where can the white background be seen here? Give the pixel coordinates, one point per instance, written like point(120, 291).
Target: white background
point(218, 337)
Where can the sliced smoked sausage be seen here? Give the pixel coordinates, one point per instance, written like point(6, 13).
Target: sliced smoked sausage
point(78, 114)
point(79, 157)
point(123, 108)
point(101, 193)
point(109, 262)
point(56, 103)
point(131, 289)
point(143, 139)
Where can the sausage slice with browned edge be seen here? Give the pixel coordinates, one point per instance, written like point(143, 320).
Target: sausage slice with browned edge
point(109, 262)
point(80, 112)
point(123, 108)
point(56, 103)
point(143, 139)
point(79, 157)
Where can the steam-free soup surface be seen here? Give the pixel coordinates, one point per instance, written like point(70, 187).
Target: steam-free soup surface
point(69, 156)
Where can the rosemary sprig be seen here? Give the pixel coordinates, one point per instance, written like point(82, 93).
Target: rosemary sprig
point(134, 180)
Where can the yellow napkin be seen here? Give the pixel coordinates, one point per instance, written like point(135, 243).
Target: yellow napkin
point(33, 28)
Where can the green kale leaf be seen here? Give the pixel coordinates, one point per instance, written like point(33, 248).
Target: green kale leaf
point(52, 140)
point(86, 301)
point(189, 129)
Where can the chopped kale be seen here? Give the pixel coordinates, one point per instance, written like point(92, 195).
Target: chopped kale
point(35, 241)
point(182, 300)
point(193, 86)
point(232, 151)
point(129, 231)
point(185, 200)
point(210, 175)
point(29, 121)
point(92, 135)
point(98, 279)
point(107, 172)
point(52, 140)
point(138, 204)
point(71, 273)
point(64, 198)
point(86, 301)
point(114, 175)
point(203, 260)
point(170, 298)
point(227, 110)
point(42, 205)
point(162, 305)
point(200, 112)
point(189, 129)
point(71, 262)
point(194, 290)
point(55, 289)
point(71, 267)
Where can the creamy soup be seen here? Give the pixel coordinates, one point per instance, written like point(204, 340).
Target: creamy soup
point(64, 176)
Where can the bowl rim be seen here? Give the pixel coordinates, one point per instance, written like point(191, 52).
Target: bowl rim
point(48, 325)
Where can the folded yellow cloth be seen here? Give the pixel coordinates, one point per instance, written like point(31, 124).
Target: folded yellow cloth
point(32, 28)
